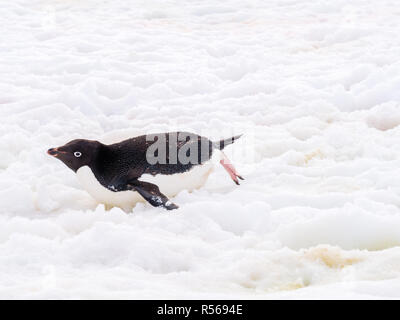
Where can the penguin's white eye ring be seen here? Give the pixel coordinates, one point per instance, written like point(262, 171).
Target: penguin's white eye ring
point(77, 154)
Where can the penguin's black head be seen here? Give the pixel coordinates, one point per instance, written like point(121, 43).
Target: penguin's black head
point(76, 153)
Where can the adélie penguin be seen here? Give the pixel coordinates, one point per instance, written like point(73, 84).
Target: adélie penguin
point(151, 167)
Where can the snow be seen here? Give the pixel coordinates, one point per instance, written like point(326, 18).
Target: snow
point(314, 87)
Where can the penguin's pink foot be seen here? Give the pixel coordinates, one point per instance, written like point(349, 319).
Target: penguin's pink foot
point(230, 169)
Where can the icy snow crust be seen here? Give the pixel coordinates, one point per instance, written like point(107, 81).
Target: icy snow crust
point(314, 85)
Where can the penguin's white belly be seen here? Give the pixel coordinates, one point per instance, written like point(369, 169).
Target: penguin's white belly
point(170, 185)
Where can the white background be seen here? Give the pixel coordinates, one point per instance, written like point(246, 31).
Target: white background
point(313, 85)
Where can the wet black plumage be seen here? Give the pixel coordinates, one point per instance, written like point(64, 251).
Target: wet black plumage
point(127, 159)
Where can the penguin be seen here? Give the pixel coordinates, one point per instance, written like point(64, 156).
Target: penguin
point(151, 167)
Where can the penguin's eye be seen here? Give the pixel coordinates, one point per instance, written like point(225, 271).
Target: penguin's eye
point(77, 154)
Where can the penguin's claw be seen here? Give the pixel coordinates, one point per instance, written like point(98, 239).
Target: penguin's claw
point(170, 206)
point(228, 166)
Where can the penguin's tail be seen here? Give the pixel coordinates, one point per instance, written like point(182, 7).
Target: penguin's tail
point(220, 145)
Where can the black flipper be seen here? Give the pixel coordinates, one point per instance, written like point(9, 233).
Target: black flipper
point(151, 193)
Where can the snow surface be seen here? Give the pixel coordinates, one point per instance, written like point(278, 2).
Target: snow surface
point(313, 85)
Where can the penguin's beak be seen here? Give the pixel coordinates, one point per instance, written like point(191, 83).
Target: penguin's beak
point(53, 152)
